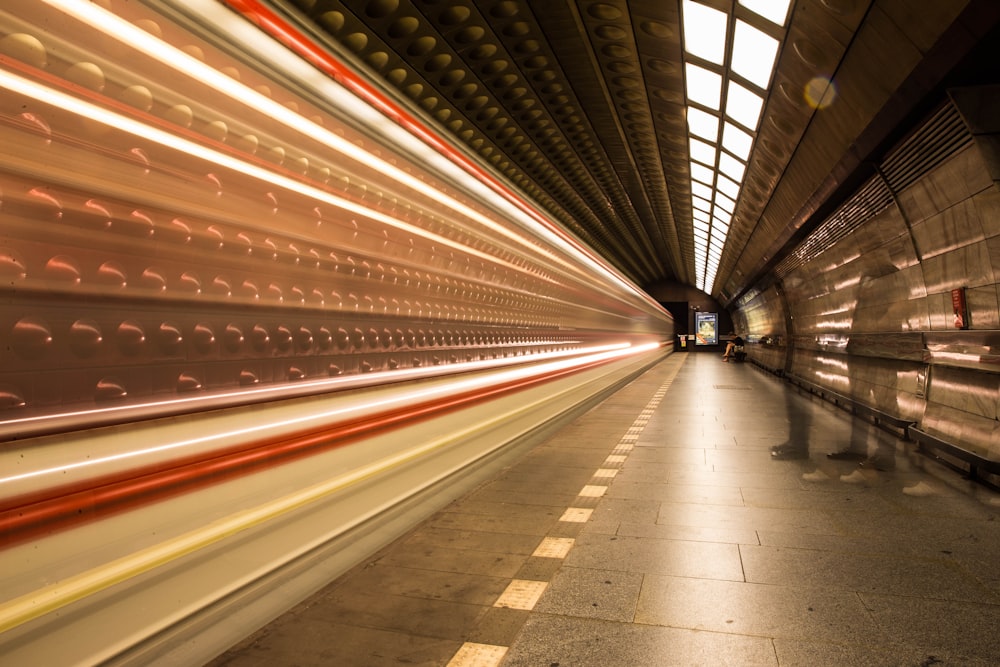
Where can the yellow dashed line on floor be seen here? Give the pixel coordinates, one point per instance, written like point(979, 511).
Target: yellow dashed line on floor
point(554, 547)
point(521, 594)
point(576, 515)
point(478, 655)
point(524, 594)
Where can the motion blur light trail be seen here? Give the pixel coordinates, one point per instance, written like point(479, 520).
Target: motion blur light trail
point(274, 321)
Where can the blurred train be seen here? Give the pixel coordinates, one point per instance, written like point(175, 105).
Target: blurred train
point(257, 317)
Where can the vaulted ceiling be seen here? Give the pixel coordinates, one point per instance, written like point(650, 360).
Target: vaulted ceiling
point(588, 107)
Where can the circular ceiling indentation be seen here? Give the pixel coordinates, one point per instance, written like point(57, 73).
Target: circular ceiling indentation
point(781, 124)
point(469, 35)
point(454, 15)
point(378, 59)
point(667, 95)
point(610, 32)
point(621, 67)
point(332, 21)
point(477, 102)
point(466, 90)
point(808, 52)
point(505, 80)
point(528, 46)
point(495, 67)
point(604, 12)
point(504, 9)
point(396, 76)
point(437, 62)
point(379, 9)
point(483, 51)
point(421, 46)
point(453, 77)
point(517, 29)
point(615, 51)
point(403, 27)
point(356, 41)
point(657, 29)
point(662, 66)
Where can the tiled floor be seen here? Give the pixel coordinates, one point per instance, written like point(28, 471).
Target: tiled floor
point(656, 530)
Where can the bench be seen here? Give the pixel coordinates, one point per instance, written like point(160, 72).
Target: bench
point(878, 417)
point(929, 444)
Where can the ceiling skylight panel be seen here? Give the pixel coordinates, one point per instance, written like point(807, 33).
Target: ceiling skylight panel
point(702, 174)
point(775, 11)
point(703, 86)
point(703, 124)
point(727, 186)
point(724, 202)
point(732, 167)
point(722, 217)
point(743, 105)
point(703, 204)
point(736, 141)
point(701, 190)
point(701, 225)
point(701, 215)
point(702, 152)
point(754, 53)
point(705, 32)
point(719, 226)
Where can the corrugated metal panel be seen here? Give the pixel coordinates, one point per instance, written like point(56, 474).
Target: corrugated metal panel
point(941, 136)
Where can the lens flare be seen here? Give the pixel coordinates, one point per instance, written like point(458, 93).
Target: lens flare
point(820, 92)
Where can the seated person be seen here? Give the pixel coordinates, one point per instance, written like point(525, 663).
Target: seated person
point(734, 350)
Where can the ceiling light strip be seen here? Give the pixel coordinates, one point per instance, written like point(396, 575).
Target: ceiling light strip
point(750, 53)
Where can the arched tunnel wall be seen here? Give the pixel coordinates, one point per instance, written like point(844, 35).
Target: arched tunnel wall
point(864, 305)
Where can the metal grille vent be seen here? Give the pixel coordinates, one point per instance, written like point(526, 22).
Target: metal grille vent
point(944, 134)
point(873, 198)
point(941, 136)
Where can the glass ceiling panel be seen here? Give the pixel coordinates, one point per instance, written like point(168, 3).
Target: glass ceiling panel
point(703, 86)
point(702, 173)
point(775, 11)
point(702, 152)
point(701, 190)
point(724, 218)
point(754, 53)
point(705, 32)
point(724, 202)
point(703, 204)
point(703, 124)
point(701, 215)
point(732, 168)
point(743, 105)
point(727, 186)
point(736, 141)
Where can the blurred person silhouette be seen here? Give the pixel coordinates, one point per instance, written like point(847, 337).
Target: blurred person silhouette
point(870, 448)
point(865, 446)
point(798, 412)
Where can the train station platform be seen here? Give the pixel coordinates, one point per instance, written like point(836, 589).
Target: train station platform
point(658, 529)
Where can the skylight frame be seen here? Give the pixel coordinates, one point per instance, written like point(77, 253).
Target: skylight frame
point(739, 113)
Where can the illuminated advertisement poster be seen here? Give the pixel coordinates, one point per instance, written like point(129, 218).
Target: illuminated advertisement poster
point(707, 328)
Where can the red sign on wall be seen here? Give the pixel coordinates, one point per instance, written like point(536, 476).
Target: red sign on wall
point(959, 307)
